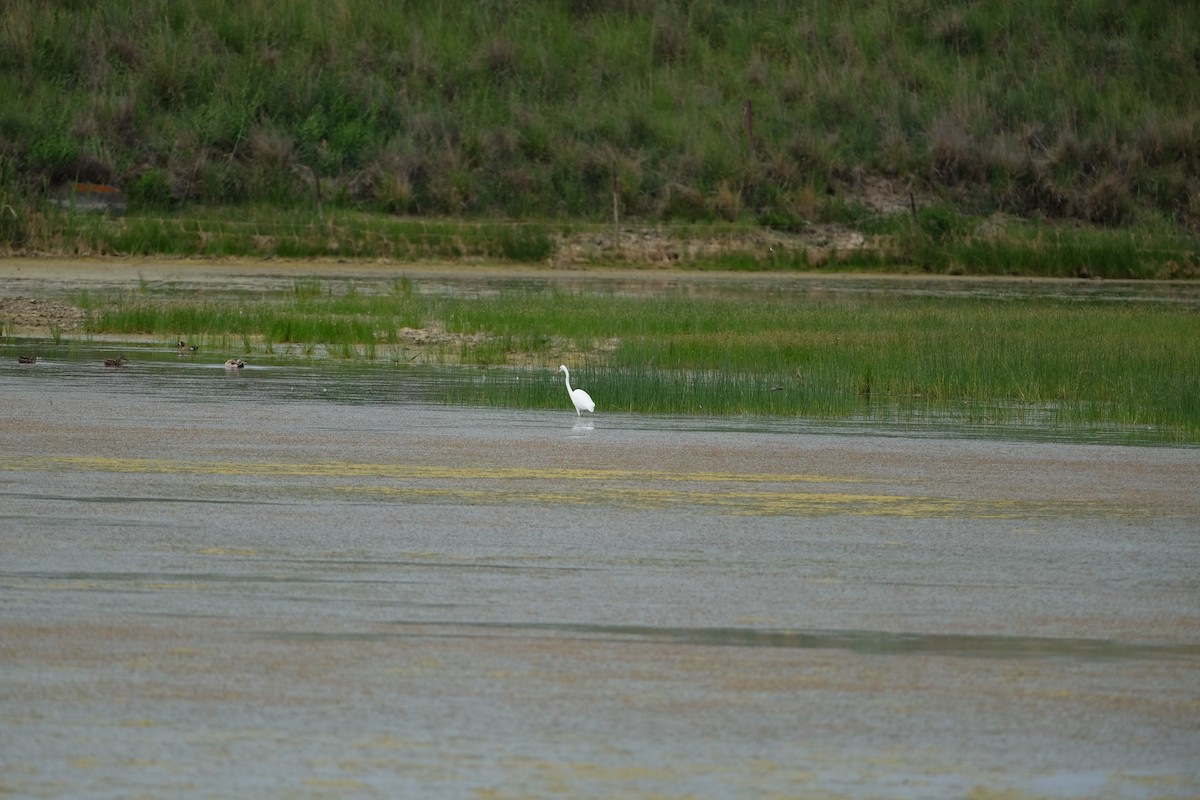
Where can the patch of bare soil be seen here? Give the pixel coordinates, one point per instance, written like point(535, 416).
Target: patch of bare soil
point(818, 241)
point(661, 247)
point(39, 316)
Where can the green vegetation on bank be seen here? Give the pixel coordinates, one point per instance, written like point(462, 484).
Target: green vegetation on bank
point(1056, 363)
point(938, 240)
point(1083, 112)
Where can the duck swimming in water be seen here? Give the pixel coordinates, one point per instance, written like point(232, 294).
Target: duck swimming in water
point(26, 359)
point(119, 361)
point(235, 363)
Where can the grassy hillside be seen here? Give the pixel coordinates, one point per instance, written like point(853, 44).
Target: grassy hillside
point(1086, 110)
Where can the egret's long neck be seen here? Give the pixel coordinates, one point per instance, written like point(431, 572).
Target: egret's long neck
point(567, 378)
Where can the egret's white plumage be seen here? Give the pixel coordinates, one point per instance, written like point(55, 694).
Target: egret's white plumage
point(581, 399)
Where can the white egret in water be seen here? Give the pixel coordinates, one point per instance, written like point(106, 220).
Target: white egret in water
point(581, 399)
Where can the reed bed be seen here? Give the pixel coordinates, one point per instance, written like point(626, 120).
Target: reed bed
point(834, 356)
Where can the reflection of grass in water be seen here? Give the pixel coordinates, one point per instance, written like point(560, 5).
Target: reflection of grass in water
point(859, 356)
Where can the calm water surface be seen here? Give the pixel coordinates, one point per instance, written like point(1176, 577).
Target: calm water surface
point(67, 278)
point(288, 582)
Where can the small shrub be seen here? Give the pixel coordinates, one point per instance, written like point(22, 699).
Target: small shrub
point(727, 202)
point(151, 189)
point(526, 244)
point(54, 155)
point(683, 203)
point(941, 224)
point(394, 193)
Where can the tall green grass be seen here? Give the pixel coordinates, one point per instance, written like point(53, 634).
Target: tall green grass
point(1063, 362)
point(1078, 110)
point(940, 240)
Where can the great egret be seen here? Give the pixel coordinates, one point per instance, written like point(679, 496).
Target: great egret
point(581, 399)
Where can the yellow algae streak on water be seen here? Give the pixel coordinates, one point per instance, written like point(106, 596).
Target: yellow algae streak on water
point(733, 503)
point(164, 466)
point(630, 489)
point(347, 784)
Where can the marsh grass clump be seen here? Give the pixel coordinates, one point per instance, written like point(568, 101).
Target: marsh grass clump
point(524, 243)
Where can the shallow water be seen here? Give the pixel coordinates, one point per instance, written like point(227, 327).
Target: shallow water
point(287, 375)
point(66, 278)
point(303, 581)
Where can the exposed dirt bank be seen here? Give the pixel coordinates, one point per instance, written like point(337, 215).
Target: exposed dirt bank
point(38, 316)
